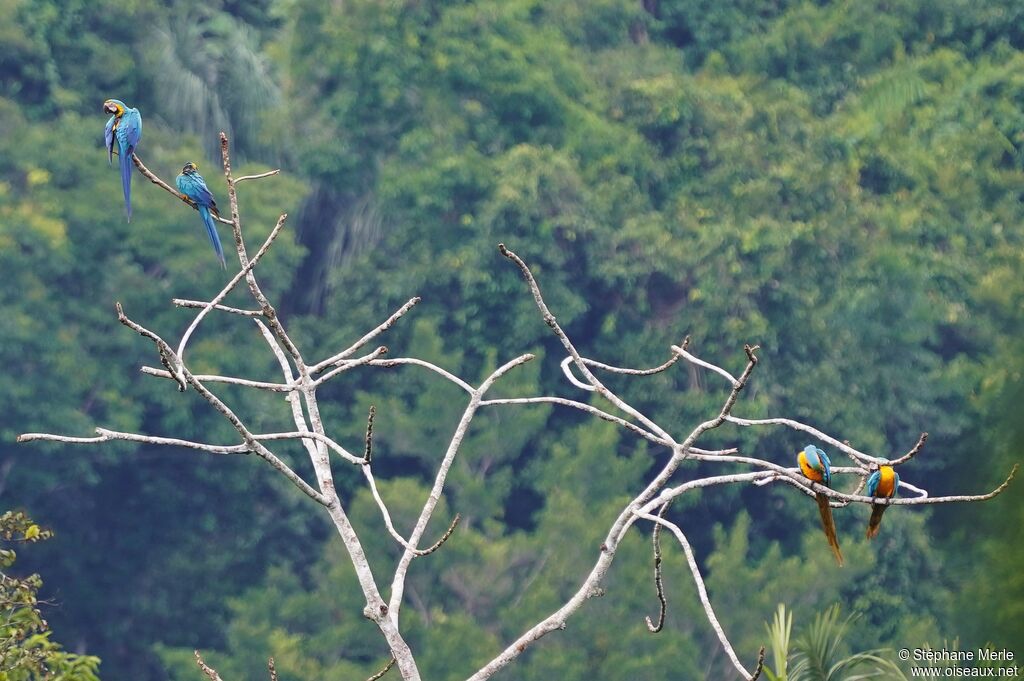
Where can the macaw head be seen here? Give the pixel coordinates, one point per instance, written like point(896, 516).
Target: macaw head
point(818, 460)
point(114, 106)
point(189, 168)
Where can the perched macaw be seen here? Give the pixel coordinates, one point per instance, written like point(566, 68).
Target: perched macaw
point(126, 126)
point(885, 482)
point(814, 464)
point(192, 185)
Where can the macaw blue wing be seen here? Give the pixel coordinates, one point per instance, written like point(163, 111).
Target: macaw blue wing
point(202, 194)
point(108, 139)
point(129, 131)
point(872, 486)
point(194, 187)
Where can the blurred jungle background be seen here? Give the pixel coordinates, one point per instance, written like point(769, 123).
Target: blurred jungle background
point(840, 182)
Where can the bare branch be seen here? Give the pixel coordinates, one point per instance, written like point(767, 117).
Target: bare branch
point(913, 451)
point(214, 378)
point(208, 670)
point(272, 669)
point(550, 320)
point(399, 361)
point(368, 452)
point(681, 351)
point(351, 350)
point(567, 370)
point(246, 270)
point(260, 176)
point(351, 364)
point(398, 581)
point(702, 592)
point(29, 437)
point(582, 406)
point(632, 372)
point(219, 405)
point(662, 603)
point(311, 435)
point(444, 537)
point(796, 425)
point(384, 671)
point(179, 302)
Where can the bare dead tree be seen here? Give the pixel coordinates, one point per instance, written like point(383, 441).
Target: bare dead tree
point(301, 379)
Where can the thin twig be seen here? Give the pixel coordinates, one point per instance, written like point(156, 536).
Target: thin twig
point(913, 451)
point(244, 272)
point(351, 364)
point(219, 405)
point(222, 308)
point(398, 581)
point(550, 320)
point(272, 669)
point(701, 591)
point(632, 372)
point(796, 425)
point(368, 452)
point(384, 671)
point(208, 670)
point(215, 378)
point(351, 350)
point(582, 406)
point(399, 361)
point(243, 178)
point(662, 603)
point(567, 370)
point(681, 351)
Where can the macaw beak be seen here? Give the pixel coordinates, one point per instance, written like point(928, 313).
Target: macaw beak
point(109, 108)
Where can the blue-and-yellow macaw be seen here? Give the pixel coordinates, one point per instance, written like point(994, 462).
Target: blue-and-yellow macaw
point(125, 125)
point(192, 185)
point(814, 464)
point(885, 482)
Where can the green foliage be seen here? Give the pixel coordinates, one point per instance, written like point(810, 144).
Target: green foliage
point(837, 181)
point(26, 651)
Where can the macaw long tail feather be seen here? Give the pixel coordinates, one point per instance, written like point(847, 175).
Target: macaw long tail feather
point(211, 230)
point(876, 520)
point(126, 180)
point(829, 525)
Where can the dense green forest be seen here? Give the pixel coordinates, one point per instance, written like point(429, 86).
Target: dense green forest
point(839, 182)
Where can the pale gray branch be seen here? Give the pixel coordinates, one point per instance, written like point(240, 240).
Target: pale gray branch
point(398, 581)
point(796, 425)
point(350, 364)
point(351, 350)
point(214, 378)
point(632, 372)
point(243, 178)
point(701, 590)
point(399, 361)
point(229, 286)
point(582, 406)
point(567, 370)
point(681, 351)
point(181, 302)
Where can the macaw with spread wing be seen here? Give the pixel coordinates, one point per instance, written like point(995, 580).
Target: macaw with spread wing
point(124, 126)
point(885, 482)
point(814, 464)
point(192, 185)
